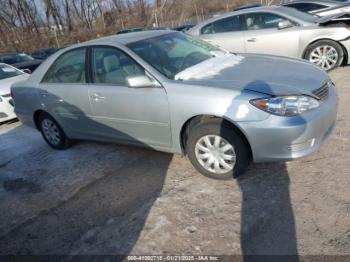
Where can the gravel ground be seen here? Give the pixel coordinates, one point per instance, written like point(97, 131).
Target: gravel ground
point(110, 199)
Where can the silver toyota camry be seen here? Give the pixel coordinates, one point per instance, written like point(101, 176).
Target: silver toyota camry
point(283, 31)
point(170, 92)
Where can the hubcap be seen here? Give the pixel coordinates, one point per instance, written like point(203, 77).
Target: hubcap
point(324, 56)
point(51, 131)
point(215, 154)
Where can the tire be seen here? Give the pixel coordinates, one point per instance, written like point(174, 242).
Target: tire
point(48, 126)
point(212, 129)
point(334, 54)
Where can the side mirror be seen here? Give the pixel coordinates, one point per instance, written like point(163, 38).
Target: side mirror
point(27, 71)
point(285, 24)
point(140, 81)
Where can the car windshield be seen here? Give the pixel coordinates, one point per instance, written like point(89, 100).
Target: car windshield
point(8, 71)
point(297, 14)
point(16, 58)
point(174, 52)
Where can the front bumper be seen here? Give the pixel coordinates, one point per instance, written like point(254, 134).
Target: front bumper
point(286, 138)
point(6, 109)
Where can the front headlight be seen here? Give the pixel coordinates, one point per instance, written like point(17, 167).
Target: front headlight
point(286, 105)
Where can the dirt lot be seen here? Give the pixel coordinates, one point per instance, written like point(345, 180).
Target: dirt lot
point(110, 199)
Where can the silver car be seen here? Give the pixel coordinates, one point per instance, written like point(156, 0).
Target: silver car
point(174, 93)
point(279, 30)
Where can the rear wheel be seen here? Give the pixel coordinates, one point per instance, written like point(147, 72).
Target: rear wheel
point(217, 150)
point(326, 54)
point(52, 132)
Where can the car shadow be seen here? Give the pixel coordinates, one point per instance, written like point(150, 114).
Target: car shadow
point(129, 182)
point(268, 230)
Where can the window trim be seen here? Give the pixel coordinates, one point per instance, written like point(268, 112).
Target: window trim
point(90, 69)
point(266, 12)
point(55, 62)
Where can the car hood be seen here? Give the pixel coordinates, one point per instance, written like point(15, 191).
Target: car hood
point(5, 84)
point(270, 75)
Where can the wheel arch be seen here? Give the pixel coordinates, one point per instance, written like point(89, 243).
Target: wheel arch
point(346, 55)
point(36, 117)
point(203, 118)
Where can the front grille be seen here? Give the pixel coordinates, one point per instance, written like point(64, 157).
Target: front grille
point(322, 92)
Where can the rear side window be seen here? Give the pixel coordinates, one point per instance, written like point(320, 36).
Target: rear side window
point(68, 68)
point(229, 24)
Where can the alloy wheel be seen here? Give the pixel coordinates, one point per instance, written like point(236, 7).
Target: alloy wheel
point(325, 56)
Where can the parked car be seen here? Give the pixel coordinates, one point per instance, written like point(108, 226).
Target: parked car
point(183, 28)
point(342, 10)
point(168, 91)
point(279, 30)
point(8, 76)
point(320, 7)
point(21, 61)
point(44, 53)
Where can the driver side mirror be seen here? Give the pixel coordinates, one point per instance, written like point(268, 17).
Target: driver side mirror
point(140, 81)
point(285, 24)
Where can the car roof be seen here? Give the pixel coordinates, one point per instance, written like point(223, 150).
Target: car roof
point(125, 39)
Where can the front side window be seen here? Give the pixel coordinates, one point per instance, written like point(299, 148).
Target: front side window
point(68, 68)
point(173, 53)
point(258, 21)
point(229, 24)
point(111, 66)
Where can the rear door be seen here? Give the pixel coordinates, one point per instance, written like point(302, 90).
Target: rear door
point(136, 115)
point(64, 94)
point(263, 36)
point(226, 33)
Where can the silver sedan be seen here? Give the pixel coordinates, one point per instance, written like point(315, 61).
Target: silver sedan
point(170, 92)
point(280, 31)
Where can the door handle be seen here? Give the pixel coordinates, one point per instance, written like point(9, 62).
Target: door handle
point(97, 97)
point(252, 39)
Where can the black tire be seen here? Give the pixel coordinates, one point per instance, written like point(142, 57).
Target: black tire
point(331, 43)
point(220, 128)
point(63, 141)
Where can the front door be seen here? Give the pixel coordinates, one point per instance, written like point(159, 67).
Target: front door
point(263, 36)
point(138, 115)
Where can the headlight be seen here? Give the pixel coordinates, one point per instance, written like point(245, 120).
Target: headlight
point(286, 105)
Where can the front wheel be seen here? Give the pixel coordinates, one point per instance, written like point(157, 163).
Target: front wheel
point(326, 54)
point(217, 150)
point(52, 132)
